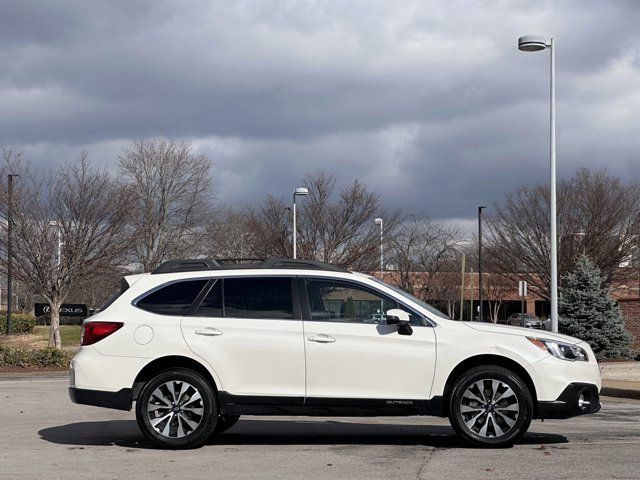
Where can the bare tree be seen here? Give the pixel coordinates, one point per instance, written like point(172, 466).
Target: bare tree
point(420, 251)
point(77, 204)
point(336, 230)
point(170, 193)
point(229, 235)
point(597, 216)
point(270, 227)
point(342, 232)
point(495, 288)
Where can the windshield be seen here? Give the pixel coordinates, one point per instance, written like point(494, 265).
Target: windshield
point(424, 305)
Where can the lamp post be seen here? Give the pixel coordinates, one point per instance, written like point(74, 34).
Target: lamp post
point(535, 44)
point(380, 222)
point(481, 317)
point(54, 223)
point(300, 191)
point(9, 250)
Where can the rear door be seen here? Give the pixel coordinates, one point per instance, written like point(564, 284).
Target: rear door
point(349, 355)
point(249, 330)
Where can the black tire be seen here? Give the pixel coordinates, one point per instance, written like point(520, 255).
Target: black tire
point(494, 421)
point(225, 422)
point(183, 423)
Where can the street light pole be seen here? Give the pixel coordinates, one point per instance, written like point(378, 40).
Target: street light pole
point(481, 317)
point(302, 192)
point(534, 44)
point(380, 221)
point(54, 223)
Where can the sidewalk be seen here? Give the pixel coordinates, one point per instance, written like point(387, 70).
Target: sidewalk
point(621, 379)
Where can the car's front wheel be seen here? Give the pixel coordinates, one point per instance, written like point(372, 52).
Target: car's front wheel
point(177, 409)
point(490, 406)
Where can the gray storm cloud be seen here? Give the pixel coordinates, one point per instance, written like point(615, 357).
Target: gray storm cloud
point(430, 103)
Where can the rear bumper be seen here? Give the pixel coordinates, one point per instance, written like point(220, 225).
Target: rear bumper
point(120, 400)
point(568, 404)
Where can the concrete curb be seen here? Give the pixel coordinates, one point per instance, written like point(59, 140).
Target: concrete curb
point(620, 392)
point(33, 375)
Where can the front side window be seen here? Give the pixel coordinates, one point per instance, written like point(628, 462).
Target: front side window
point(259, 297)
point(338, 301)
point(172, 299)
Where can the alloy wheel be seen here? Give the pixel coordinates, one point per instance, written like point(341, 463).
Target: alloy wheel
point(489, 408)
point(175, 409)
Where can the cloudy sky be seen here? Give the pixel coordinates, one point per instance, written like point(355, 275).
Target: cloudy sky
point(428, 102)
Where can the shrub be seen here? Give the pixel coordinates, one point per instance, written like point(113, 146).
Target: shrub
point(21, 322)
point(24, 357)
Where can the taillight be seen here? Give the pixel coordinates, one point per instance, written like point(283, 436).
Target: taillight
point(93, 332)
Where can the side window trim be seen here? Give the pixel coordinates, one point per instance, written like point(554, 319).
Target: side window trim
point(202, 295)
point(303, 298)
point(306, 309)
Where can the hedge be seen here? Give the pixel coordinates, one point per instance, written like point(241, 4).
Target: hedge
point(21, 322)
point(39, 357)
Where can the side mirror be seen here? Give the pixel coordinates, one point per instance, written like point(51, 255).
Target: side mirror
point(395, 316)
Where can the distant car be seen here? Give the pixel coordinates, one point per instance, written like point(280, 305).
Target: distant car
point(375, 318)
point(525, 320)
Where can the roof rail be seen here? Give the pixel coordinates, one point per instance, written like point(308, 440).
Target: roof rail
point(188, 265)
point(306, 264)
point(199, 264)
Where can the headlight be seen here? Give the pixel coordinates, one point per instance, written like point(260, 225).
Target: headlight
point(561, 350)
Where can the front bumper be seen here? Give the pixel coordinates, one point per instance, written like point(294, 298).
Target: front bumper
point(576, 399)
point(120, 400)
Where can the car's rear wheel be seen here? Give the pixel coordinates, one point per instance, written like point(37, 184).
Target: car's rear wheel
point(490, 406)
point(177, 409)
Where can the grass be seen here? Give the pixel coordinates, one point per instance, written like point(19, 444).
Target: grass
point(69, 335)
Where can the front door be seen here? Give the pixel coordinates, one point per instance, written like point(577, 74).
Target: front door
point(352, 353)
point(248, 330)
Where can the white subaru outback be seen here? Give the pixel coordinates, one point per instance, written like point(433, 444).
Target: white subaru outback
point(197, 343)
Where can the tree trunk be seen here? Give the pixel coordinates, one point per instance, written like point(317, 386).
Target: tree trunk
point(494, 310)
point(54, 332)
point(451, 309)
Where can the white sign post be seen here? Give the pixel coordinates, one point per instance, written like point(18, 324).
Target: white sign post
point(522, 291)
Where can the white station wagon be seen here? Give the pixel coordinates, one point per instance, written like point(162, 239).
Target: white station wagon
point(198, 343)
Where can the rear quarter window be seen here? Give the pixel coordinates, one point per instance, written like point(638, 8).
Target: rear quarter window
point(173, 299)
point(124, 286)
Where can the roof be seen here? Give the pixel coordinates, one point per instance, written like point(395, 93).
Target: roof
point(203, 264)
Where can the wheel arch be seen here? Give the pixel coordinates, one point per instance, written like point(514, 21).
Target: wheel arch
point(168, 362)
point(485, 360)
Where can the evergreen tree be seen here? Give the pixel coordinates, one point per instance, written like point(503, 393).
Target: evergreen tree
point(587, 311)
point(350, 308)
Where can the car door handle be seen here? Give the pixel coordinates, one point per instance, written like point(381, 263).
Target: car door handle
point(321, 338)
point(209, 332)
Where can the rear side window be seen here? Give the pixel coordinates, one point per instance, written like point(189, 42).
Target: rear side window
point(173, 299)
point(260, 297)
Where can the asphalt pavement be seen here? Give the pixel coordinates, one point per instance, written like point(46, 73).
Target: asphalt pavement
point(44, 436)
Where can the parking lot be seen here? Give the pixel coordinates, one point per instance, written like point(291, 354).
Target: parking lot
point(44, 436)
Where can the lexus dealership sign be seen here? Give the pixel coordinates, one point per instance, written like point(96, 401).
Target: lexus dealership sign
point(66, 309)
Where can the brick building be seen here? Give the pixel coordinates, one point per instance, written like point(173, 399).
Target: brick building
point(501, 297)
